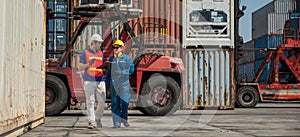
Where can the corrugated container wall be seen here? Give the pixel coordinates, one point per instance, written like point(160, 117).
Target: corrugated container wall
point(209, 79)
point(209, 67)
point(271, 23)
point(284, 6)
point(161, 26)
point(22, 66)
point(271, 17)
point(276, 22)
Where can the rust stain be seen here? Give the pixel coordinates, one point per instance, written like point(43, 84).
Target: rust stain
point(36, 42)
point(31, 45)
point(205, 63)
point(226, 96)
point(206, 84)
point(199, 100)
point(206, 89)
point(211, 99)
point(194, 56)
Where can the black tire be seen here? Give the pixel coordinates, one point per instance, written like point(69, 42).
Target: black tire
point(173, 96)
point(247, 97)
point(57, 97)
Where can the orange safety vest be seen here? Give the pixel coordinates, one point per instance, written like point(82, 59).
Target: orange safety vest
point(92, 69)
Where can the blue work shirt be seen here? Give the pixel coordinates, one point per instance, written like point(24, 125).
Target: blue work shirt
point(87, 77)
point(125, 66)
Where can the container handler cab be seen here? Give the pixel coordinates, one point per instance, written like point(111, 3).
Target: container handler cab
point(156, 84)
point(284, 76)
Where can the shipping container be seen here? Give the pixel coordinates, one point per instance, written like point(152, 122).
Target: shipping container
point(209, 79)
point(246, 63)
point(294, 15)
point(248, 54)
point(22, 66)
point(265, 42)
point(159, 29)
point(208, 39)
point(246, 72)
point(57, 36)
point(276, 22)
point(298, 6)
point(271, 23)
point(265, 75)
point(284, 6)
point(208, 22)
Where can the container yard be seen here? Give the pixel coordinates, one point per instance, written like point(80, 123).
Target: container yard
point(190, 64)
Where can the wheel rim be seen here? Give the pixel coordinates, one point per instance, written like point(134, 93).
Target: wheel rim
point(247, 97)
point(161, 96)
point(49, 96)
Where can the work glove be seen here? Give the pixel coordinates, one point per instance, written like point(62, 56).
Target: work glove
point(92, 61)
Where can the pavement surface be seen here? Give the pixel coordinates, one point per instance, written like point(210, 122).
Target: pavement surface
point(268, 119)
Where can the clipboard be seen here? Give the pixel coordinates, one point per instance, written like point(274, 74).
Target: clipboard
point(104, 65)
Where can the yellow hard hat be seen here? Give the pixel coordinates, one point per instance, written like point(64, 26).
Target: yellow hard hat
point(119, 42)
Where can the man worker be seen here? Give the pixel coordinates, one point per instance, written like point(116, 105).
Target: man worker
point(94, 84)
point(117, 78)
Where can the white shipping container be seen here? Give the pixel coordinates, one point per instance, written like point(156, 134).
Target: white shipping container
point(22, 66)
point(208, 23)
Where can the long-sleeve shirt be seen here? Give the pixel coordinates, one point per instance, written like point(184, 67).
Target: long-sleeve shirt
point(124, 66)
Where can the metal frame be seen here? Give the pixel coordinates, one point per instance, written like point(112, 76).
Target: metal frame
point(208, 39)
point(277, 89)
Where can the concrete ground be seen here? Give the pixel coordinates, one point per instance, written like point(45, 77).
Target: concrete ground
point(266, 119)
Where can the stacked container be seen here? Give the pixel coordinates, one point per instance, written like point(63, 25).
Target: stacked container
point(22, 66)
point(267, 29)
point(208, 39)
point(57, 36)
point(246, 64)
point(270, 18)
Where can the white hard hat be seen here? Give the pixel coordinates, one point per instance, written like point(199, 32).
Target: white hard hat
point(96, 37)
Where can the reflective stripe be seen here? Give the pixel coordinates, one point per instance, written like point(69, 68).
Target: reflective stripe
point(97, 58)
point(95, 69)
point(92, 69)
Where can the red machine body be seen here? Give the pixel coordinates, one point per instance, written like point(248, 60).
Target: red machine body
point(284, 77)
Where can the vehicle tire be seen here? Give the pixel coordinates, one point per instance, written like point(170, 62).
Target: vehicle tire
point(56, 96)
point(160, 95)
point(247, 97)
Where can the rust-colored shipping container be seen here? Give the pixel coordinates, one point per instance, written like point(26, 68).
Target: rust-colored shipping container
point(22, 66)
point(159, 26)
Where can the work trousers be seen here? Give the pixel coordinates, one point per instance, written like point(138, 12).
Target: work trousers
point(120, 97)
point(90, 88)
